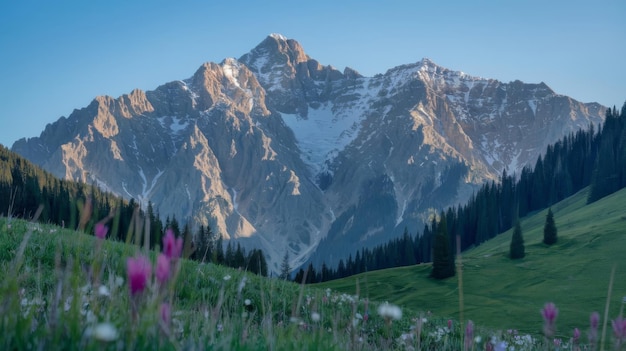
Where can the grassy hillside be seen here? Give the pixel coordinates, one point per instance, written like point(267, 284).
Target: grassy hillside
point(505, 294)
point(59, 288)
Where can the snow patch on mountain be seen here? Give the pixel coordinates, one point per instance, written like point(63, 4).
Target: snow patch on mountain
point(322, 133)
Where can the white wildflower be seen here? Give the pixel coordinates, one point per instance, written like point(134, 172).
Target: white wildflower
point(389, 311)
point(247, 302)
point(103, 291)
point(105, 332)
point(315, 317)
point(119, 281)
point(227, 277)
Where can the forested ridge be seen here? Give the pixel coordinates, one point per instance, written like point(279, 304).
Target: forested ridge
point(27, 190)
point(595, 158)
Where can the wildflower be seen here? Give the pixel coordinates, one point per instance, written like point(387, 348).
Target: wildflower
point(389, 311)
point(315, 317)
point(619, 331)
point(576, 337)
point(469, 335)
point(227, 277)
point(105, 332)
point(449, 324)
point(162, 269)
point(101, 230)
point(501, 346)
point(172, 247)
point(557, 343)
point(139, 271)
point(594, 322)
point(549, 313)
point(118, 281)
point(247, 302)
point(103, 290)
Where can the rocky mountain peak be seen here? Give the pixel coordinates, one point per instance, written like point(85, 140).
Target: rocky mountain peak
point(282, 152)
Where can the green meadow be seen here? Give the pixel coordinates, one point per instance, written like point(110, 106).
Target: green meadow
point(69, 290)
point(501, 293)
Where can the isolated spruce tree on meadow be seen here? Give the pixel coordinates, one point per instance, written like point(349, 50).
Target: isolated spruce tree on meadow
point(443, 261)
point(285, 270)
point(549, 229)
point(517, 250)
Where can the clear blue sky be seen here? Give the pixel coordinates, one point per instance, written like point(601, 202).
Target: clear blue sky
point(56, 56)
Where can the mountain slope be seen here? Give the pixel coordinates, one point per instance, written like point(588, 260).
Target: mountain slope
point(506, 294)
point(280, 151)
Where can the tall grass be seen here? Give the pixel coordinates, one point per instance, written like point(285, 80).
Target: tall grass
point(62, 289)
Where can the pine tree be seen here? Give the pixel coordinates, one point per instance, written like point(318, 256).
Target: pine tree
point(285, 269)
point(549, 229)
point(443, 261)
point(517, 243)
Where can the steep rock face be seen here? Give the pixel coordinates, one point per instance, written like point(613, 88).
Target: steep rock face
point(281, 152)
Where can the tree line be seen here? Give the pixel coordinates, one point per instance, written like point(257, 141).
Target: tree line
point(24, 187)
point(586, 158)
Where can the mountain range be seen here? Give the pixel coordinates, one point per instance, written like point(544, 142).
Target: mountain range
point(280, 152)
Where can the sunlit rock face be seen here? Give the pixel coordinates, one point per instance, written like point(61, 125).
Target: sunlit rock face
point(279, 151)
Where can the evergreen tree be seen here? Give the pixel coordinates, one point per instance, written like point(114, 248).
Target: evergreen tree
point(443, 261)
point(285, 269)
point(517, 250)
point(549, 229)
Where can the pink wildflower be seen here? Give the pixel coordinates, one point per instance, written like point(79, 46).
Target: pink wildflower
point(101, 230)
point(172, 247)
point(549, 313)
point(619, 330)
point(162, 269)
point(139, 271)
point(469, 335)
point(594, 320)
point(576, 338)
point(449, 324)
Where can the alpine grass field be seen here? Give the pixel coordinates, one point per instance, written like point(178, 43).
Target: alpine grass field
point(505, 294)
point(68, 290)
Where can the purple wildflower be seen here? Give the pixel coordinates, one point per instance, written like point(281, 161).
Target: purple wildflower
point(172, 247)
point(594, 322)
point(549, 313)
point(619, 331)
point(101, 230)
point(576, 338)
point(469, 335)
point(162, 269)
point(139, 271)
